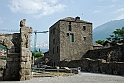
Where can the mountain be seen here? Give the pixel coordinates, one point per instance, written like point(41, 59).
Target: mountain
point(43, 50)
point(103, 31)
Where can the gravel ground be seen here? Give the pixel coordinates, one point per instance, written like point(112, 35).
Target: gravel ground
point(79, 78)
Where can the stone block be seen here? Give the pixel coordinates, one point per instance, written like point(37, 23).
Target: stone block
point(10, 59)
point(24, 59)
point(16, 59)
point(28, 77)
point(22, 78)
point(28, 65)
point(22, 72)
point(22, 65)
point(27, 71)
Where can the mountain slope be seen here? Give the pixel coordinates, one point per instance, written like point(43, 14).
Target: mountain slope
point(102, 32)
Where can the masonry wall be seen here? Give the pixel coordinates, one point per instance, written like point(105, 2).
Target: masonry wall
point(108, 60)
point(112, 54)
point(60, 46)
point(74, 50)
point(54, 44)
point(96, 66)
point(18, 65)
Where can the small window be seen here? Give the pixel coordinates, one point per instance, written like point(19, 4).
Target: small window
point(84, 38)
point(53, 41)
point(54, 31)
point(71, 37)
point(57, 49)
point(67, 34)
point(51, 31)
point(69, 27)
point(84, 28)
point(53, 50)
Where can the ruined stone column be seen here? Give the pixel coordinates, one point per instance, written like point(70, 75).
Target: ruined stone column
point(25, 57)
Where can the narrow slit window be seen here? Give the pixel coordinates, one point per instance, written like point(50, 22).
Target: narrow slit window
point(71, 37)
point(69, 27)
point(53, 50)
point(57, 49)
point(53, 41)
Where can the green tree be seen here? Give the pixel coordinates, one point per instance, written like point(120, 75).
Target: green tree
point(100, 42)
point(37, 54)
point(117, 36)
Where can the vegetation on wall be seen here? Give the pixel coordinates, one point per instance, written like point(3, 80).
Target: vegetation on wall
point(100, 42)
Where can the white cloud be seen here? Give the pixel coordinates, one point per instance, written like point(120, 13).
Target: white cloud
point(121, 10)
point(47, 10)
point(38, 7)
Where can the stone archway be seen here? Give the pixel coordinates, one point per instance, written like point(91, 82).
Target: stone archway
point(18, 65)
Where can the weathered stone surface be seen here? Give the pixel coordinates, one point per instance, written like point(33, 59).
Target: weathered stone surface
point(28, 77)
point(28, 65)
point(22, 78)
point(16, 59)
point(27, 71)
point(24, 59)
point(10, 59)
point(62, 47)
point(22, 65)
point(98, 66)
point(19, 55)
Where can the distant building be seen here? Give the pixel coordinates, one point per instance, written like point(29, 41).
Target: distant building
point(69, 39)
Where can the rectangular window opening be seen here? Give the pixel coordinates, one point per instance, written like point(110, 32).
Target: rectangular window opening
point(53, 50)
point(84, 38)
point(71, 37)
point(84, 28)
point(57, 49)
point(54, 31)
point(53, 41)
point(69, 27)
point(67, 34)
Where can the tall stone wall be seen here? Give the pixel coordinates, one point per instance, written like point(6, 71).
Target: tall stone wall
point(25, 55)
point(18, 65)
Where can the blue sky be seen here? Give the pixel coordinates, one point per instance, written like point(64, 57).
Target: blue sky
point(41, 14)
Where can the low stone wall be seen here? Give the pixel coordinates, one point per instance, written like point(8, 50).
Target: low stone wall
point(96, 66)
point(111, 54)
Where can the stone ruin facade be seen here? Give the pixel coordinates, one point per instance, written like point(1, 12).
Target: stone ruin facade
point(18, 65)
point(108, 60)
point(69, 39)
